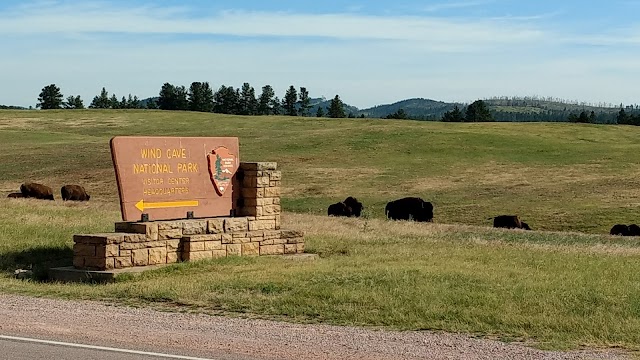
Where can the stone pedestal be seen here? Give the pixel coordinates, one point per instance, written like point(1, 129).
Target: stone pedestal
point(254, 231)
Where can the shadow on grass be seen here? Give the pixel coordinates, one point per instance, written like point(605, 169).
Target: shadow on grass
point(38, 260)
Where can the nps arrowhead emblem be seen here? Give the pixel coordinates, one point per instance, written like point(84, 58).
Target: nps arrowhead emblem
point(222, 167)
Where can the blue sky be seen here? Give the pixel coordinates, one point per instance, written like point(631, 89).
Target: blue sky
point(368, 52)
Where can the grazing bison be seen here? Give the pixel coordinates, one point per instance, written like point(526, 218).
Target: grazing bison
point(509, 222)
point(634, 230)
point(15, 195)
point(349, 207)
point(619, 229)
point(35, 190)
point(74, 192)
point(624, 230)
point(338, 209)
point(409, 208)
point(355, 206)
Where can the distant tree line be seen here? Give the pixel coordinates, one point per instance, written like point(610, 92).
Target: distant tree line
point(104, 101)
point(11, 107)
point(201, 97)
point(296, 102)
point(244, 101)
point(51, 98)
point(541, 101)
point(474, 112)
point(628, 118)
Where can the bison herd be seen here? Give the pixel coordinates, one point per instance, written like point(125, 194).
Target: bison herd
point(44, 192)
point(416, 209)
point(407, 208)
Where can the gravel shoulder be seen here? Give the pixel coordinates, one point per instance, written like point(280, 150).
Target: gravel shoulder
point(201, 335)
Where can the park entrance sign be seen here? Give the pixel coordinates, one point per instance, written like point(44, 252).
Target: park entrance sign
point(168, 178)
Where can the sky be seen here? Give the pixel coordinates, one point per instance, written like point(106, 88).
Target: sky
point(368, 52)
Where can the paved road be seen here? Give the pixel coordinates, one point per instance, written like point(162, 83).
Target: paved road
point(21, 348)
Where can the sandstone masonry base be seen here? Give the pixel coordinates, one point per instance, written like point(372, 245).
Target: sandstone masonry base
point(256, 231)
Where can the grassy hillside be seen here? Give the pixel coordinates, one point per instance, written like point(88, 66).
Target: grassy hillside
point(556, 176)
point(552, 289)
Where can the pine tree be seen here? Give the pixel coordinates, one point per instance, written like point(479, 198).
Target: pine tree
point(454, 115)
point(152, 104)
point(181, 98)
point(50, 98)
point(265, 100)
point(124, 104)
point(336, 108)
point(276, 107)
point(113, 102)
point(320, 112)
point(200, 97)
point(135, 102)
point(622, 117)
point(248, 102)
point(478, 112)
point(173, 97)
point(289, 101)
point(226, 100)
point(218, 167)
point(101, 101)
point(304, 102)
point(74, 102)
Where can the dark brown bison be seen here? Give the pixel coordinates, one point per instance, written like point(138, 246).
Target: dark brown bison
point(625, 230)
point(619, 229)
point(15, 195)
point(409, 208)
point(35, 190)
point(355, 206)
point(509, 222)
point(338, 209)
point(349, 207)
point(74, 192)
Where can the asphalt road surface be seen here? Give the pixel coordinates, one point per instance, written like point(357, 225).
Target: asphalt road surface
point(24, 350)
point(21, 348)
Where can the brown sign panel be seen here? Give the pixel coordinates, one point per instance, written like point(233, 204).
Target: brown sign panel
point(166, 177)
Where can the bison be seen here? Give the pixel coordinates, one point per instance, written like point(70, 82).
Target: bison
point(619, 229)
point(509, 222)
point(355, 206)
point(349, 207)
point(15, 195)
point(338, 209)
point(35, 190)
point(625, 230)
point(74, 192)
point(409, 208)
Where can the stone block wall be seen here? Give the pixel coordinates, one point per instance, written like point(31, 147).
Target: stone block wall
point(255, 231)
point(259, 194)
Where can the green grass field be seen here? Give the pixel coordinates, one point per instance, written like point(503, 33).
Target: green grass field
point(578, 287)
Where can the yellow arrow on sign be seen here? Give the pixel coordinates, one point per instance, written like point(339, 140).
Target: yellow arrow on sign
point(141, 205)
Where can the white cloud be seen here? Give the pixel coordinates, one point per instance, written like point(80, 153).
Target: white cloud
point(368, 60)
point(97, 18)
